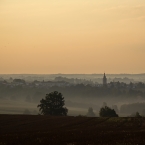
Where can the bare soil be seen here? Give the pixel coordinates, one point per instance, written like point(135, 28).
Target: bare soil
point(48, 130)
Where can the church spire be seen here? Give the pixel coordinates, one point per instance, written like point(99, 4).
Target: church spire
point(104, 80)
point(104, 74)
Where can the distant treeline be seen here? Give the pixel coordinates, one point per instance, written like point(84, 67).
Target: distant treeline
point(127, 78)
point(33, 93)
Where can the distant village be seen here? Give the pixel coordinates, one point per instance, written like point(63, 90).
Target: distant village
point(65, 82)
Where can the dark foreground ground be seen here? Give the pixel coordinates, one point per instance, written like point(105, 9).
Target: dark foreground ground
point(35, 130)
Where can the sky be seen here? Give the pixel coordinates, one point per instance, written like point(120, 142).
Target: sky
point(72, 36)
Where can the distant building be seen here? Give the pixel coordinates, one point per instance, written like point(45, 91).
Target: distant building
point(104, 80)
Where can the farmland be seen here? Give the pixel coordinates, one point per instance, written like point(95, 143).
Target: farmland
point(36, 129)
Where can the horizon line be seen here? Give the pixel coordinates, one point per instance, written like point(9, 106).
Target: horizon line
point(70, 73)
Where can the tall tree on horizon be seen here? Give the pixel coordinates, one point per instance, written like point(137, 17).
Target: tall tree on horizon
point(53, 104)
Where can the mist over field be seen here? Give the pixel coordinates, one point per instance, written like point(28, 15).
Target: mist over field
point(20, 94)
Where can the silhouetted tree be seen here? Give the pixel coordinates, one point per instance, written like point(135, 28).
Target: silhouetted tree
point(107, 112)
point(137, 114)
point(90, 112)
point(53, 104)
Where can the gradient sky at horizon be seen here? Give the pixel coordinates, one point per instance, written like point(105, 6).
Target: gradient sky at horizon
point(72, 36)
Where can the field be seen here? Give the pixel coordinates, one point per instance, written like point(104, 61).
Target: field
point(36, 129)
point(18, 107)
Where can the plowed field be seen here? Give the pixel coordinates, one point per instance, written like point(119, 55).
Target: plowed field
point(36, 130)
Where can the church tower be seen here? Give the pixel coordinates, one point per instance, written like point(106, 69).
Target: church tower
point(104, 80)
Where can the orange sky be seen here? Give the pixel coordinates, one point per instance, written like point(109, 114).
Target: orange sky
point(72, 36)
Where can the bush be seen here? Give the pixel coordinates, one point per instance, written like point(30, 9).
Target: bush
point(107, 112)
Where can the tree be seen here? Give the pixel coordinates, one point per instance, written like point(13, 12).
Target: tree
point(53, 104)
point(91, 112)
point(107, 112)
point(137, 114)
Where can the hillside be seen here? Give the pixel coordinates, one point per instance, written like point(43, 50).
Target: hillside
point(31, 129)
